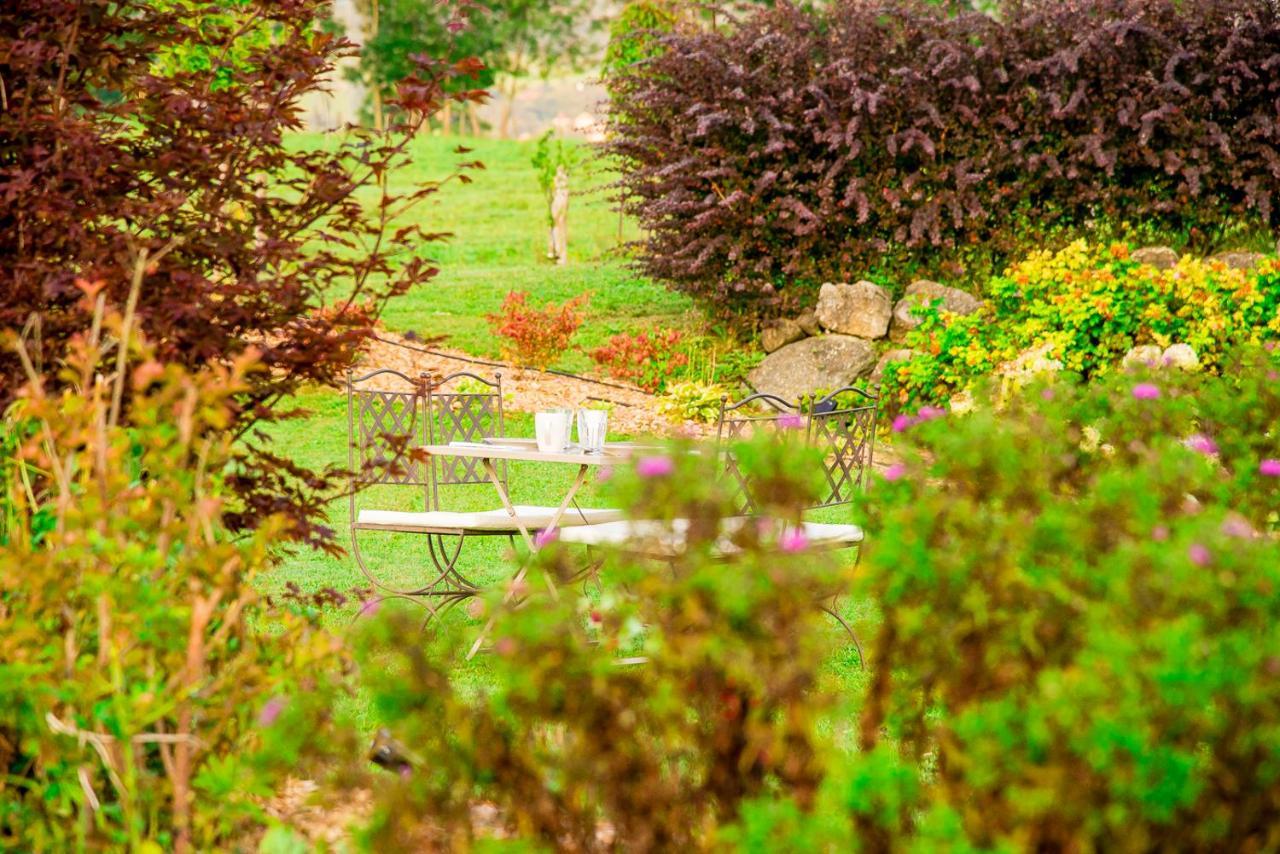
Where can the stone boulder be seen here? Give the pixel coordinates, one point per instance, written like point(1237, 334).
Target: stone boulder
point(1160, 257)
point(1180, 356)
point(1239, 260)
point(824, 363)
point(809, 323)
point(924, 292)
point(1030, 364)
point(779, 333)
point(896, 355)
point(862, 309)
point(1144, 355)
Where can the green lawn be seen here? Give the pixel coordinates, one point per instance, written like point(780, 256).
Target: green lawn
point(499, 244)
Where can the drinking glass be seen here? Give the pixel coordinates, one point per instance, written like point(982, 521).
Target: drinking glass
point(550, 429)
point(593, 426)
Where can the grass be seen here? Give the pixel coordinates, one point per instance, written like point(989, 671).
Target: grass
point(499, 224)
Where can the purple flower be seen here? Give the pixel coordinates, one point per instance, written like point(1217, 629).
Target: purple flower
point(655, 466)
point(545, 537)
point(1269, 468)
point(895, 472)
point(791, 421)
point(903, 423)
point(1146, 391)
point(1199, 554)
point(793, 540)
point(271, 711)
point(1202, 444)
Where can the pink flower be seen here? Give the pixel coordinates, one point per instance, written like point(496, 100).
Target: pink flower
point(929, 413)
point(1237, 526)
point(1047, 394)
point(791, 421)
point(368, 609)
point(793, 541)
point(895, 472)
point(1269, 468)
point(655, 466)
point(1202, 444)
point(1199, 554)
point(1146, 391)
point(604, 475)
point(1160, 533)
point(545, 537)
point(271, 711)
point(505, 647)
point(903, 423)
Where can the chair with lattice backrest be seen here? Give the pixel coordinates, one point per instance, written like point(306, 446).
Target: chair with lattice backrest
point(749, 417)
point(463, 407)
point(384, 427)
point(843, 426)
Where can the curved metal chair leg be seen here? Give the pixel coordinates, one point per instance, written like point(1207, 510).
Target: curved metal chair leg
point(862, 661)
point(371, 606)
point(373, 579)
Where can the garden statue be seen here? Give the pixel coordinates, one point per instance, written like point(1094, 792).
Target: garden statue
point(558, 238)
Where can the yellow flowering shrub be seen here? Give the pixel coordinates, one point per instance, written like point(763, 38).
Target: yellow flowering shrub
point(1083, 308)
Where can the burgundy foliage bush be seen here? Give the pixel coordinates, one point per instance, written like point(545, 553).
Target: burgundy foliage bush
point(890, 137)
point(176, 179)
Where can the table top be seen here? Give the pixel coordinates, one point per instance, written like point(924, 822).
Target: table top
point(527, 450)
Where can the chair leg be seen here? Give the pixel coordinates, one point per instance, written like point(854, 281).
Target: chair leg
point(392, 591)
point(831, 610)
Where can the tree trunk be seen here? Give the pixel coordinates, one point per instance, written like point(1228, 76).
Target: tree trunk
point(473, 116)
point(508, 101)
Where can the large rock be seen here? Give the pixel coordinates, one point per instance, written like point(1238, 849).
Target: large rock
point(809, 323)
point(1030, 364)
point(779, 333)
point(824, 363)
point(898, 355)
point(862, 309)
point(1160, 257)
point(922, 293)
point(1143, 355)
point(1181, 356)
point(1239, 260)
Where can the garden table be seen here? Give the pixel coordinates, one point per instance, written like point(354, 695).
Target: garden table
point(491, 451)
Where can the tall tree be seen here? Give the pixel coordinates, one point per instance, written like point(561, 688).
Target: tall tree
point(514, 38)
point(175, 186)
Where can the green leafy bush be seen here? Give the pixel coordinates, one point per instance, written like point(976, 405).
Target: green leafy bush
point(1081, 618)
point(692, 401)
point(146, 694)
point(1081, 310)
point(638, 718)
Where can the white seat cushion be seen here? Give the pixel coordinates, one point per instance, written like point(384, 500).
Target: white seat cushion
point(655, 536)
point(486, 520)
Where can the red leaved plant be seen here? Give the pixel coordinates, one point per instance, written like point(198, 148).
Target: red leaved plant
point(535, 337)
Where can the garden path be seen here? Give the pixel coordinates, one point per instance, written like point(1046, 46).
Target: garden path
point(633, 412)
